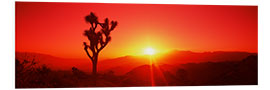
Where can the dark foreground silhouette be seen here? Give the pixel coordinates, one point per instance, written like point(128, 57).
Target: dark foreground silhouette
point(98, 39)
point(30, 74)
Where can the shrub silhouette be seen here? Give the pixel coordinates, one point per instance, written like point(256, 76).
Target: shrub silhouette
point(97, 39)
point(30, 74)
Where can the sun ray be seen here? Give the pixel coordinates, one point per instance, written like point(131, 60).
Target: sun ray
point(153, 65)
point(159, 70)
point(151, 71)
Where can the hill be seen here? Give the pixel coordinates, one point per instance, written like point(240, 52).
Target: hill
point(55, 63)
point(243, 72)
point(136, 71)
point(122, 65)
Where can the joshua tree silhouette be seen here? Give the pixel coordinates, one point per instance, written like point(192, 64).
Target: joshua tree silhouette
point(98, 39)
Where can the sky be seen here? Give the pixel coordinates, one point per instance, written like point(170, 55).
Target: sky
point(57, 28)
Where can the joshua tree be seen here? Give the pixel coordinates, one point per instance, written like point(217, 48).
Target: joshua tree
point(98, 39)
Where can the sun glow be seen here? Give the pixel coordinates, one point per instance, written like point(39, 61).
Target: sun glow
point(149, 51)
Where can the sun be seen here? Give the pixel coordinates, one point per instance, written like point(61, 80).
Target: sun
point(149, 51)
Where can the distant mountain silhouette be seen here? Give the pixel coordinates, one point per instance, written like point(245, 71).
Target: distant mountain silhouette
point(242, 72)
point(195, 57)
point(136, 71)
point(55, 63)
point(245, 73)
point(122, 65)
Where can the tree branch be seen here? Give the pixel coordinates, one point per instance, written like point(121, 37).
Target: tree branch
point(85, 48)
point(102, 47)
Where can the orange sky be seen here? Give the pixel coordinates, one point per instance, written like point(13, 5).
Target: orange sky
point(57, 28)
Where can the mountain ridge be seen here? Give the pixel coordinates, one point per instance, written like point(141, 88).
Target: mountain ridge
point(122, 65)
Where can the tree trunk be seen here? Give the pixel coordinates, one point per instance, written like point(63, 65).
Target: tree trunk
point(94, 71)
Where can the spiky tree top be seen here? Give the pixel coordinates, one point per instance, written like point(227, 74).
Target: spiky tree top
point(98, 38)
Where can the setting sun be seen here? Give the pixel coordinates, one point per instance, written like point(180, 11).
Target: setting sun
point(149, 51)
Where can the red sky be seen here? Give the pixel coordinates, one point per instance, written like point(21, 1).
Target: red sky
point(57, 28)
